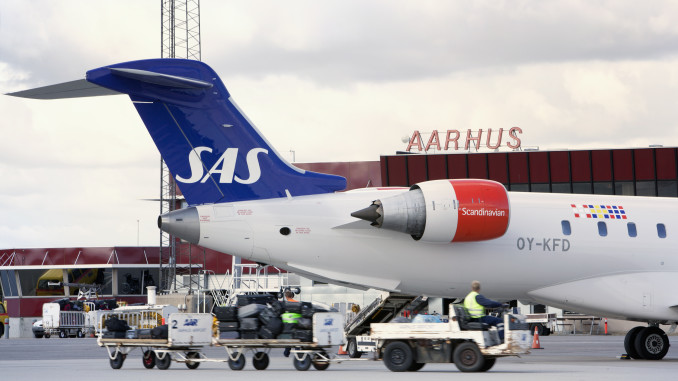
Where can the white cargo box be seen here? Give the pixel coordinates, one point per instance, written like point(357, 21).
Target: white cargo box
point(50, 315)
point(328, 328)
point(190, 329)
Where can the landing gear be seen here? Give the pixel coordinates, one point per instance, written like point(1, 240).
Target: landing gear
point(648, 343)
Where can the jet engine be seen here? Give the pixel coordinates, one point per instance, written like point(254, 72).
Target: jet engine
point(444, 211)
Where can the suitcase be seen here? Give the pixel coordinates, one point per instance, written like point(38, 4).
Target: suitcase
point(305, 323)
point(144, 333)
point(226, 313)
point(276, 306)
point(267, 314)
point(307, 310)
point(227, 326)
point(284, 336)
point(229, 335)
point(131, 334)
point(266, 333)
point(250, 311)
point(249, 324)
point(264, 299)
point(159, 332)
point(305, 335)
point(249, 335)
point(288, 327)
point(108, 335)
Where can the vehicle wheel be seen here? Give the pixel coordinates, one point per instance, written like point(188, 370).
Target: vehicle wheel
point(489, 363)
point(117, 360)
point(352, 349)
point(237, 364)
point(63, 334)
point(2, 330)
point(398, 356)
point(163, 363)
point(302, 364)
point(38, 335)
point(260, 360)
point(148, 359)
point(80, 334)
point(416, 366)
point(652, 343)
point(47, 336)
point(319, 361)
point(192, 364)
point(630, 342)
point(467, 357)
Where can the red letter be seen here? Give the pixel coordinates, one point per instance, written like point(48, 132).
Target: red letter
point(415, 138)
point(470, 138)
point(455, 140)
point(513, 135)
point(434, 136)
point(489, 134)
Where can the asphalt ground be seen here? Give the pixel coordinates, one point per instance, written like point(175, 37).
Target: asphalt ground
point(562, 358)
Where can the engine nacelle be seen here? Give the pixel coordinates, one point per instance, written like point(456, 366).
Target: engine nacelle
point(444, 211)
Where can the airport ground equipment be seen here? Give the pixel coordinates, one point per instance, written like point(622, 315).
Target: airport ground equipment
point(472, 346)
point(188, 334)
point(381, 310)
point(68, 323)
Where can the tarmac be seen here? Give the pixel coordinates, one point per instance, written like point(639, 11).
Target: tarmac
point(562, 358)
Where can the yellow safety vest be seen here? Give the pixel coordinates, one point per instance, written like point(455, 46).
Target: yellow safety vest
point(475, 310)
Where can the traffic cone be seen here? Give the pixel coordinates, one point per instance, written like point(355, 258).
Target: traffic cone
point(342, 351)
point(535, 340)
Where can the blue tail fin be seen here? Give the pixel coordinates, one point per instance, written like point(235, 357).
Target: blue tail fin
point(215, 153)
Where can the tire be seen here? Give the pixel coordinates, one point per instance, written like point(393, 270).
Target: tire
point(652, 343)
point(163, 363)
point(467, 357)
point(398, 356)
point(352, 349)
point(302, 364)
point(63, 335)
point(80, 334)
point(192, 364)
point(489, 363)
point(630, 342)
point(260, 360)
point(148, 359)
point(416, 366)
point(117, 361)
point(38, 335)
point(47, 336)
point(319, 362)
point(237, 364)
point(2, 330)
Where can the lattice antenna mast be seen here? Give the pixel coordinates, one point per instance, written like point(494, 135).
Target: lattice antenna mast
point(180, 38)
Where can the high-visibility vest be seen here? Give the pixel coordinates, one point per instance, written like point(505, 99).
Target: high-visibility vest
point(290, 317)
point(475, 310)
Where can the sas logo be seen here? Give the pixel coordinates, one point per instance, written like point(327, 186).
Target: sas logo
point(191, 323)
point(610, 212)
point(329, 321)
point(224, 167)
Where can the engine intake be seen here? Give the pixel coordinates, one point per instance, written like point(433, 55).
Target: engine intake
point(444, 211)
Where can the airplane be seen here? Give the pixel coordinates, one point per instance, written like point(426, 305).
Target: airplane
point(604, 255)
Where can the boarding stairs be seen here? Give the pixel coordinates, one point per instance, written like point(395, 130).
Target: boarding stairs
point(381, 310)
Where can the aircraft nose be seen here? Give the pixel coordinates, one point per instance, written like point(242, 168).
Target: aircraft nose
point(182, 223)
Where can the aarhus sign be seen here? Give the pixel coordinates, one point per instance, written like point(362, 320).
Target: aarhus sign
point(451, 139)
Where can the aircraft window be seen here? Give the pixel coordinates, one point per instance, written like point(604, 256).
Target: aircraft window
point(661, 230)
point(567, 230)
point(602, 229)
point(632, 229)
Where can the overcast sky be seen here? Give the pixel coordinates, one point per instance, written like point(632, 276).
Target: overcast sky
point(331, 80)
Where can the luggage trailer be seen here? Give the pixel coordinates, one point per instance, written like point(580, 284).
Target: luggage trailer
point(188, 334)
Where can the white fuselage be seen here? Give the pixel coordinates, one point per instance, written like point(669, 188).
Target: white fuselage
point(614, 275)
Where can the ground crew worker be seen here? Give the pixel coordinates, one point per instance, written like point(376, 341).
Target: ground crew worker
point(475, 305)
point(290, 317)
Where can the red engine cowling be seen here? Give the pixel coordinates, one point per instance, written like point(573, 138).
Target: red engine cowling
point(444, 211)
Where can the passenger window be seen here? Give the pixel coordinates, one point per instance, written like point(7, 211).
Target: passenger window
point(602, 229)
point(632, 229)
point(566, 227)
point(661, 230)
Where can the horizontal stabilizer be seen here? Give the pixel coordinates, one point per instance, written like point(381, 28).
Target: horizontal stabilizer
point(74, 89)
point(161, 79)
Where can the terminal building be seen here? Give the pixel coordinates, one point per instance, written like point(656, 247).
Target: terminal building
point(31, 277)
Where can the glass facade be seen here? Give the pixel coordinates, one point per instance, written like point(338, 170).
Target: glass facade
point(632, 172)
